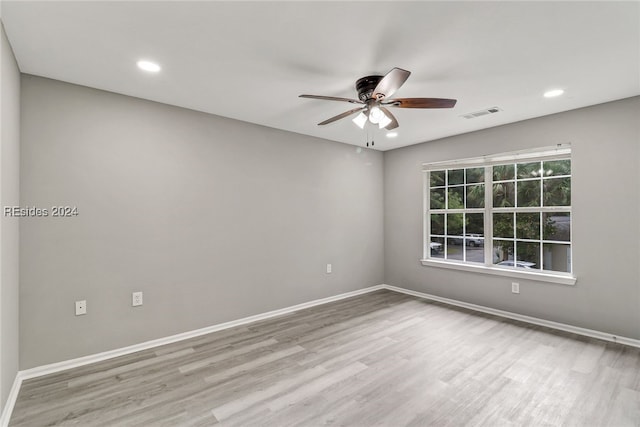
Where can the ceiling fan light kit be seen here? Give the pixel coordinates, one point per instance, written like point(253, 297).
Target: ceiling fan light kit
point(374, 97)
point(360, 120)
point(375, 115)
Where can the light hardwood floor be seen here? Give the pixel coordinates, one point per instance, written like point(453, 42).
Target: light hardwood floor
point(380, 359)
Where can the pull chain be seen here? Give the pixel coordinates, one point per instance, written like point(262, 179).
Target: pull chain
point(367, 135)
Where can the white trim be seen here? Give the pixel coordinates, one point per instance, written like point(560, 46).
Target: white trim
point(81, 361)
point(11, 400)
point(426, 219)
point(98, 357)
point(507, 272)
point(521, 317)
point(559, 151)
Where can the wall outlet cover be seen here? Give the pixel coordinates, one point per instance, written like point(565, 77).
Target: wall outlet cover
point(136, 299)
point(81, 307)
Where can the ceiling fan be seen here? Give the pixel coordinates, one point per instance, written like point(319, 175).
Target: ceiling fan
point(374, 97)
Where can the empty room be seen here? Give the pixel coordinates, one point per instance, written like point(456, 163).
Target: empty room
point(339, 213)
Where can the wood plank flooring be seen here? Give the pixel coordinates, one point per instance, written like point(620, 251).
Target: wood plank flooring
point(379, 359)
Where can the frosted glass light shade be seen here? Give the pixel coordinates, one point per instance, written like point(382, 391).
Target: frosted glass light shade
point(360, 120)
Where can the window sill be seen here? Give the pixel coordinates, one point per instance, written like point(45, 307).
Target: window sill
point(496, 271)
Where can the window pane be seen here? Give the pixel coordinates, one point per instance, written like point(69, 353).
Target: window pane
point(454, 224)
point(557, 167)
point(528, 255)
point(437, 224)
point(503, 252)
point(437, 178)
point(437, 198)
point(456, 198)
point(474, 248)
point(503, 225)
point(533, 237)
point(557, 257)
point(503, 172)
point(557, 192)
point(557, 226)
point(454, 248)
point(436, 247)
point(475, 223)
point(528, 193)
point(456, 176)
point(475, 175)
point(474, 241)
point(504, 195)
point(528, 226)
point(528, 170)
point(475, 196)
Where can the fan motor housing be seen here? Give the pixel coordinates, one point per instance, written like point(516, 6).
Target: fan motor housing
point(366, 85)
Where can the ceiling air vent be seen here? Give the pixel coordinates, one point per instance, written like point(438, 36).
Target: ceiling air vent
point(480, 113)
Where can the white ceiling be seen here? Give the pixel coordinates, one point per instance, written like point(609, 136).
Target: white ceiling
point(251, 60)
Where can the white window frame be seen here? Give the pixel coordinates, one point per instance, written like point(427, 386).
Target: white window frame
point(558, 152)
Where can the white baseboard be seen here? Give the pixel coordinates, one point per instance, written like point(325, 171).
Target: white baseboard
point(85, 360)
point(81, 361)
point(521, 317)
point(11, 400)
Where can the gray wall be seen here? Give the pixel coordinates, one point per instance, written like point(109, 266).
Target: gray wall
point(606, 208)
point(213, 219)
point(9, 179)
point(216, 219)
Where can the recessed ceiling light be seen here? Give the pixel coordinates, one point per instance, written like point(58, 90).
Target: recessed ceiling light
point(152, 67)
point(392, 134)
point(553, 93)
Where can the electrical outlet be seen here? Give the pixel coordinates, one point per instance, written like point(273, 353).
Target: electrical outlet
point(136, 299)
point(328, 268)
point(515, 287)
point(81, 307)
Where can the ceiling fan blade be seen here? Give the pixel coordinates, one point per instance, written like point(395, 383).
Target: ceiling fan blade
point(332, 98)
point(420, 102)
point(394, 122)
point(341, 116)
point(390, 83)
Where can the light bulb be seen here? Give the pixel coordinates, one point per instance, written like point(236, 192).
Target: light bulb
point(384, 121)
point(360, 120)
point(375, 115)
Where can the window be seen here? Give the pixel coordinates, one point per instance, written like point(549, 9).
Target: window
point(509, 212)
point(457, 199)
